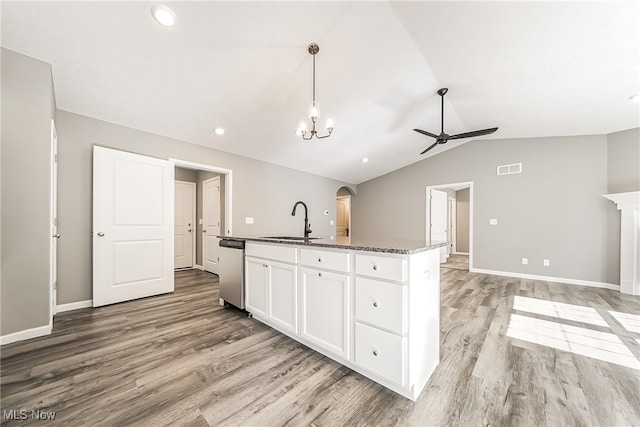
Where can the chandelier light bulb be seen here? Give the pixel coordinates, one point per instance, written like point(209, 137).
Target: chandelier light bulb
point(302, 128)
point(330, 124)
point(314, 110)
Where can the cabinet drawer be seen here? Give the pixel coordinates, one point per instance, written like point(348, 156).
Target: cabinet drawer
point(380, 352)
point(275, 252)
point(390, 268)
point(338, 261)
point(381, 304)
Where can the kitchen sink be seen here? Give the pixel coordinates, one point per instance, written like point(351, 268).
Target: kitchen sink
point(290, 238)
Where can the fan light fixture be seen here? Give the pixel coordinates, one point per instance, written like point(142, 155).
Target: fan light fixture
point(314, 107)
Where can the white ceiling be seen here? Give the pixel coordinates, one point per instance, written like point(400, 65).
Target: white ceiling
point(533, 69)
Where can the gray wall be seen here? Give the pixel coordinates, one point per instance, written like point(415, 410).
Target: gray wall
point(462, 220)
point(260, 190)
point(28, 105)
point(554, 209)
point(623, 161)
point(187, 175)
point(623, 175)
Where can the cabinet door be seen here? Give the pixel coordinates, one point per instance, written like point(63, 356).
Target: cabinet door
point(325, 310)
point(256, 281)
point(283, 296)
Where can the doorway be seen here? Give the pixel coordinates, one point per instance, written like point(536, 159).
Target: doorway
point(343, 216)
point(213, 210)
point(452, 216)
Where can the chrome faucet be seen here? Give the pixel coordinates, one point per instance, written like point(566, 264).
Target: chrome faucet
point(307, 226)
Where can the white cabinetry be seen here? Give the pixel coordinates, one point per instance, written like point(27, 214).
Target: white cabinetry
point(272, 286)
point(377, 313)
point(325, 310)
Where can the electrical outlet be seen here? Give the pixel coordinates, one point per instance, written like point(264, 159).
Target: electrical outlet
point(493, 221)
point(546, 263)
point(331, 222)
point(525, 261)
point(248, 220)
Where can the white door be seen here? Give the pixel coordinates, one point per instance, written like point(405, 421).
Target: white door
point(132, 226)
point(54, 219)
point(184, 218)
point(256, 283)
point(342, 216)
point(211, 224)
point(438, 217)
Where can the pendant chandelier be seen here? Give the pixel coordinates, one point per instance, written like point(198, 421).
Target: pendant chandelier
point(314, 107)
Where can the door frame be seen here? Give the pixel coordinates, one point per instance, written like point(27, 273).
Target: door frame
point(461, 185)
point(228, 186)
point(452, 225)
point(53, 243)
point(193, 221)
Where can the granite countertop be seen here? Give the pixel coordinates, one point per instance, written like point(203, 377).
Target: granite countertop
point(395, 246)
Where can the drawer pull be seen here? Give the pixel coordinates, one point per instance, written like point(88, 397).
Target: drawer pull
point(319, 259)
point(375, 352)
point(375, 267)
point(375, 303)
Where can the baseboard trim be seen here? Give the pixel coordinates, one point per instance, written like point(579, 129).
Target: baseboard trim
point(40, 331)
point(199, 267)
point(460, 253)
point(547, 278)
point(74, 306)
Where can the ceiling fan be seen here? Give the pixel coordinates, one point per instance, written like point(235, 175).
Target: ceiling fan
point(443, 137)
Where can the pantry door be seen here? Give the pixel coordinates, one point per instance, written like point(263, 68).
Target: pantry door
point(132, 226)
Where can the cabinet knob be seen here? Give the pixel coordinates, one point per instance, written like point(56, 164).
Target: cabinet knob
point(375, 352)
point(264, 265)
point(375, 303)
point(319, 274)
point(101, 234)
point(375, 267)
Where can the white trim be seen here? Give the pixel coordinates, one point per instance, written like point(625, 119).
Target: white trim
point(547, 278)
point(228, 186)
point(461, 253)
point(199, 267)
point(74, 306)
point(26, 334)
point(53, 227)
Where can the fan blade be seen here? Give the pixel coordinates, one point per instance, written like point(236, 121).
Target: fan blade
point(436, 143)
point(424, 132)
point(474, 133)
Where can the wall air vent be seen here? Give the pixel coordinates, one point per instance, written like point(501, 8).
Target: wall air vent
point(509, 169)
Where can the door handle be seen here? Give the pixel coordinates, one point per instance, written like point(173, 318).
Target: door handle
point(101, 234)
point(57, 235)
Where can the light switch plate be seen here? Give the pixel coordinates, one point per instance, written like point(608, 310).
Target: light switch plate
point(493, 221)
point(525, 261)
point(331, 222)
point(248, 220)
point(546, 263)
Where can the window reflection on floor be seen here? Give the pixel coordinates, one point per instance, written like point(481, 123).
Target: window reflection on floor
point(600, 345)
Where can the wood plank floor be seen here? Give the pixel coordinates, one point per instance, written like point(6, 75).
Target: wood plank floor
point(181, 359)
point(457, 261)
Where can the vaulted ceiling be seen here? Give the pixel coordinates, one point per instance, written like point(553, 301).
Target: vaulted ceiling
point(531, 68)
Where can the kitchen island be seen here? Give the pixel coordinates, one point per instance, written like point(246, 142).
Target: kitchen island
point(373, 306)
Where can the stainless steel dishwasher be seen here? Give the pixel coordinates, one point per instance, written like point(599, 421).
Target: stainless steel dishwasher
point(231, 272)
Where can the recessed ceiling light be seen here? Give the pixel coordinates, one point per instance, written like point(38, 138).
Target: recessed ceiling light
point(635, 99)
point(163, 15)
point(219, 131)
point(365, 160)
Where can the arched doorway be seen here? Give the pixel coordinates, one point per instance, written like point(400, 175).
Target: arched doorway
point(344, 226)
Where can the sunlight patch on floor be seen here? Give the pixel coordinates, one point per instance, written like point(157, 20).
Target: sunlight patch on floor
point(560, 310)
point(600, 345)
point(631, 322)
